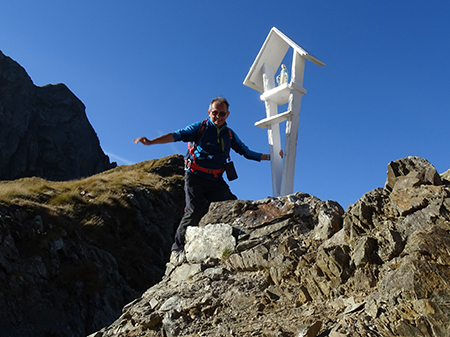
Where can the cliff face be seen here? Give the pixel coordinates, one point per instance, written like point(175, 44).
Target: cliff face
point(299, 266)
point(44, 131)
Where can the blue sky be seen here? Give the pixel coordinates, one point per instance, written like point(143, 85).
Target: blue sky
point(151, 67)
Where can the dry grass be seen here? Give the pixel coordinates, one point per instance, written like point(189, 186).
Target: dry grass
point(105, 188)
point(128, 211)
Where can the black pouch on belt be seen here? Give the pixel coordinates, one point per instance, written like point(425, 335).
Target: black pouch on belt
point(230, 171)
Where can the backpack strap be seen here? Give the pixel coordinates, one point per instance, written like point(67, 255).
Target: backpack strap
point(199, 136)
point(231, 138)
point(192, 145)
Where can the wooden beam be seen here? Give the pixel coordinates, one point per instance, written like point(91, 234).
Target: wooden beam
point(272, 120)
point(280, 94)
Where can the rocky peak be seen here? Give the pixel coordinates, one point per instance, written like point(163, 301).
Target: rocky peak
point(44, 130)
point(299, 266)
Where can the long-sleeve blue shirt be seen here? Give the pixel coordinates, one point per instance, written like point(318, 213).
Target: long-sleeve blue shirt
point(213, 149)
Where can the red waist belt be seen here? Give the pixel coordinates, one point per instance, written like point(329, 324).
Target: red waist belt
point(195, 167)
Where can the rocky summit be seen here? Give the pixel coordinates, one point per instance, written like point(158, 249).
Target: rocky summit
point(44, 131)
point(298, 266)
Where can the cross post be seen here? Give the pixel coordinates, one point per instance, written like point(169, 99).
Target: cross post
point(261, 77)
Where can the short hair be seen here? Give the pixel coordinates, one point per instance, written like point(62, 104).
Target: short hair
point(220, 100)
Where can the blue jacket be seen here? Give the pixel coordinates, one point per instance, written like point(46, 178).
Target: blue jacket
point(213, 149)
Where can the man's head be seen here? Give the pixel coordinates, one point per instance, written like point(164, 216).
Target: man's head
point(218, 111)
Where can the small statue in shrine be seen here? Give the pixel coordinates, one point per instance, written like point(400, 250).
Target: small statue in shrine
point(283, 76)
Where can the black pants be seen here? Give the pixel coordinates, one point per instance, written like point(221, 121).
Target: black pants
point(199, 193)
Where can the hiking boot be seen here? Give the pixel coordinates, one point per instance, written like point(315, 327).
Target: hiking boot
point(177, 257)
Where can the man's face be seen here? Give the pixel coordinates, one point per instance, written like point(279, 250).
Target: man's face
point(218, 113)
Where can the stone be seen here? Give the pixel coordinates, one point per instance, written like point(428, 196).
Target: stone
point(445, 177)
point(418, 169)
point(364, 252)
point(329, 221)
point(310, 330)
point(185, 272)
point(210, 241)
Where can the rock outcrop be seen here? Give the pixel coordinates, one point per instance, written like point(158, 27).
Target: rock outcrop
point(299, 266)
point(72, 254)
point(44, 131)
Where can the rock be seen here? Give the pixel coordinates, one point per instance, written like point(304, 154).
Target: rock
point(212, 241)
point(445, 177)
point(310, 330)
point(44, 130)
point(411, 171)
point(330, 220)
point(363, 252)
point(185, 272)
point(302, 267)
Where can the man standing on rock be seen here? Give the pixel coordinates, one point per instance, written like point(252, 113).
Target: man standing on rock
point(209, 150)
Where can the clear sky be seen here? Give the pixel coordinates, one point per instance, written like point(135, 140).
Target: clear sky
point(145, 68)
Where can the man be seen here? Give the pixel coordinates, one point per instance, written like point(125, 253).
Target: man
point(212, 141)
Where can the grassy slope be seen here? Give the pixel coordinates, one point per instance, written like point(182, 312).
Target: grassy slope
point(129, 211)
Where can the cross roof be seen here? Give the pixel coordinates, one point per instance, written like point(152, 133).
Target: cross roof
point(272, 53)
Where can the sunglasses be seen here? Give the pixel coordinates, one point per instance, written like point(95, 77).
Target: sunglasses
point(221, 113)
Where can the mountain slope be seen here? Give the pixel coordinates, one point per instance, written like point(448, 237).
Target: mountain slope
point(73, 253)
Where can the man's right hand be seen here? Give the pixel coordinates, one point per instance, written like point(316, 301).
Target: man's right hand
point(167, 138)
point(143, 140)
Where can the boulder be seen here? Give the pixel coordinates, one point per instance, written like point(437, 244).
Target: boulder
point(411, 171)
point(212, 241)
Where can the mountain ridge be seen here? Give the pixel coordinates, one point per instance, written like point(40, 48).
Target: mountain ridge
point(44, 131)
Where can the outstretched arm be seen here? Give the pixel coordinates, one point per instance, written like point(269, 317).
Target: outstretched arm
point(167, 138)
point(238, 146)
point(267, 156)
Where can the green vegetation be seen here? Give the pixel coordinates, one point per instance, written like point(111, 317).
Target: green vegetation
point(226, 254)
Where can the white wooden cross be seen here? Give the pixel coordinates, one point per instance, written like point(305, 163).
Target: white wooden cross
point(261, 77)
